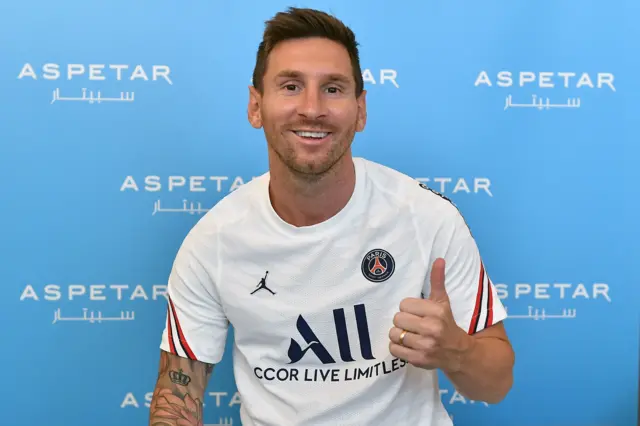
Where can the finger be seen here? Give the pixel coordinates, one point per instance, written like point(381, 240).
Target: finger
point(420, 307)
point(412, 356)
point(403, 352)
point(410, 339)
point(425, 327)
point(438, 291)
point(407, 322)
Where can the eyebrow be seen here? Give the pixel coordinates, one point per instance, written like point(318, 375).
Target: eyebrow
point(296, 74)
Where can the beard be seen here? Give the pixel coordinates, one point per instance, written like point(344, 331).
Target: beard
point(310, 166)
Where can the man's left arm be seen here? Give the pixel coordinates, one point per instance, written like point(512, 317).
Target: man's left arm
point(457, 326)
point(485, 370)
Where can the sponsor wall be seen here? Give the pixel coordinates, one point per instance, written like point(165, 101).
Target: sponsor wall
point(123, 123)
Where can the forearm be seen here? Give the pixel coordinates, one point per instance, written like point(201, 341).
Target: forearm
point(485, 370)
point(179, 392)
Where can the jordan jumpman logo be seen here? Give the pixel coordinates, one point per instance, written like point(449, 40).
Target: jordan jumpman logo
point(263, 284)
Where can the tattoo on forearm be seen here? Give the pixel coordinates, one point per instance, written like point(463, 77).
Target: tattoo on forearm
point(173, 408)
point(179, 378)
point(173, 402)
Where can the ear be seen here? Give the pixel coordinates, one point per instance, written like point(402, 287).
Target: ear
point(361, 120)
point(254, 114)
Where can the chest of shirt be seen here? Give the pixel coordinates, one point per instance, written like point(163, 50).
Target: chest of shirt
point(341, 294)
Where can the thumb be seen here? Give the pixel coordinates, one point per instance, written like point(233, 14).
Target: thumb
point(438, 291)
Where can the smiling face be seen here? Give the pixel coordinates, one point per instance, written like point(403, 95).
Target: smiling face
point(308, 109)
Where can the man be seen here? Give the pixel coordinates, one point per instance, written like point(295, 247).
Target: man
point(348, 284)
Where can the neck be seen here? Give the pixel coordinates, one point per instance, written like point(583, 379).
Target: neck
point(304, 201)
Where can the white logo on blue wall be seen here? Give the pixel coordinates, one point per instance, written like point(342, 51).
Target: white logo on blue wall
point(564, 86)
point(97, 72)
point(90, 75)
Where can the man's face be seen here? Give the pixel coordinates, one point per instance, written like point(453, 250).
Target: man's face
point(309, 110)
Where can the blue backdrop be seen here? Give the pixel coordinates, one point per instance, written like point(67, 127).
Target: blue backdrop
point(123, 122)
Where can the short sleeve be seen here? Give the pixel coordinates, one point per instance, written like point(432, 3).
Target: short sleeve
point(474, 300)
point(195, 325)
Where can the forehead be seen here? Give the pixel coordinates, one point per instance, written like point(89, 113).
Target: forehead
point(312, 57)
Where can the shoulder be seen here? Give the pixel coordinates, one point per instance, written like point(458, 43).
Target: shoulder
point(228, 213)
point(416, 197)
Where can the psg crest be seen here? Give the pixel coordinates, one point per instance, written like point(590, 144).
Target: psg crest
point(378, 265)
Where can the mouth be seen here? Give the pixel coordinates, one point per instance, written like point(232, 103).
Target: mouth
point(312, 136)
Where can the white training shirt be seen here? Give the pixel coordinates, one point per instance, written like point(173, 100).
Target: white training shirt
point(312, 348)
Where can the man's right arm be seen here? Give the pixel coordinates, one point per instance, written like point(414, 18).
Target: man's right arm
point(194, 335)
point(179, 392)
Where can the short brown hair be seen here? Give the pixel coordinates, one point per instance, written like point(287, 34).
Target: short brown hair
point(298, 23)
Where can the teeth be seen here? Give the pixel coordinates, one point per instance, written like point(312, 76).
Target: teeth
point(318, 135)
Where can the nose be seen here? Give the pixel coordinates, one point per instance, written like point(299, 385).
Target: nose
point(312, 104)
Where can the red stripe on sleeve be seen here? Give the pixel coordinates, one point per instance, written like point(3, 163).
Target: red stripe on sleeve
point(183, 340)
point(476, 311)
point(489, 304)
point(172, 346)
